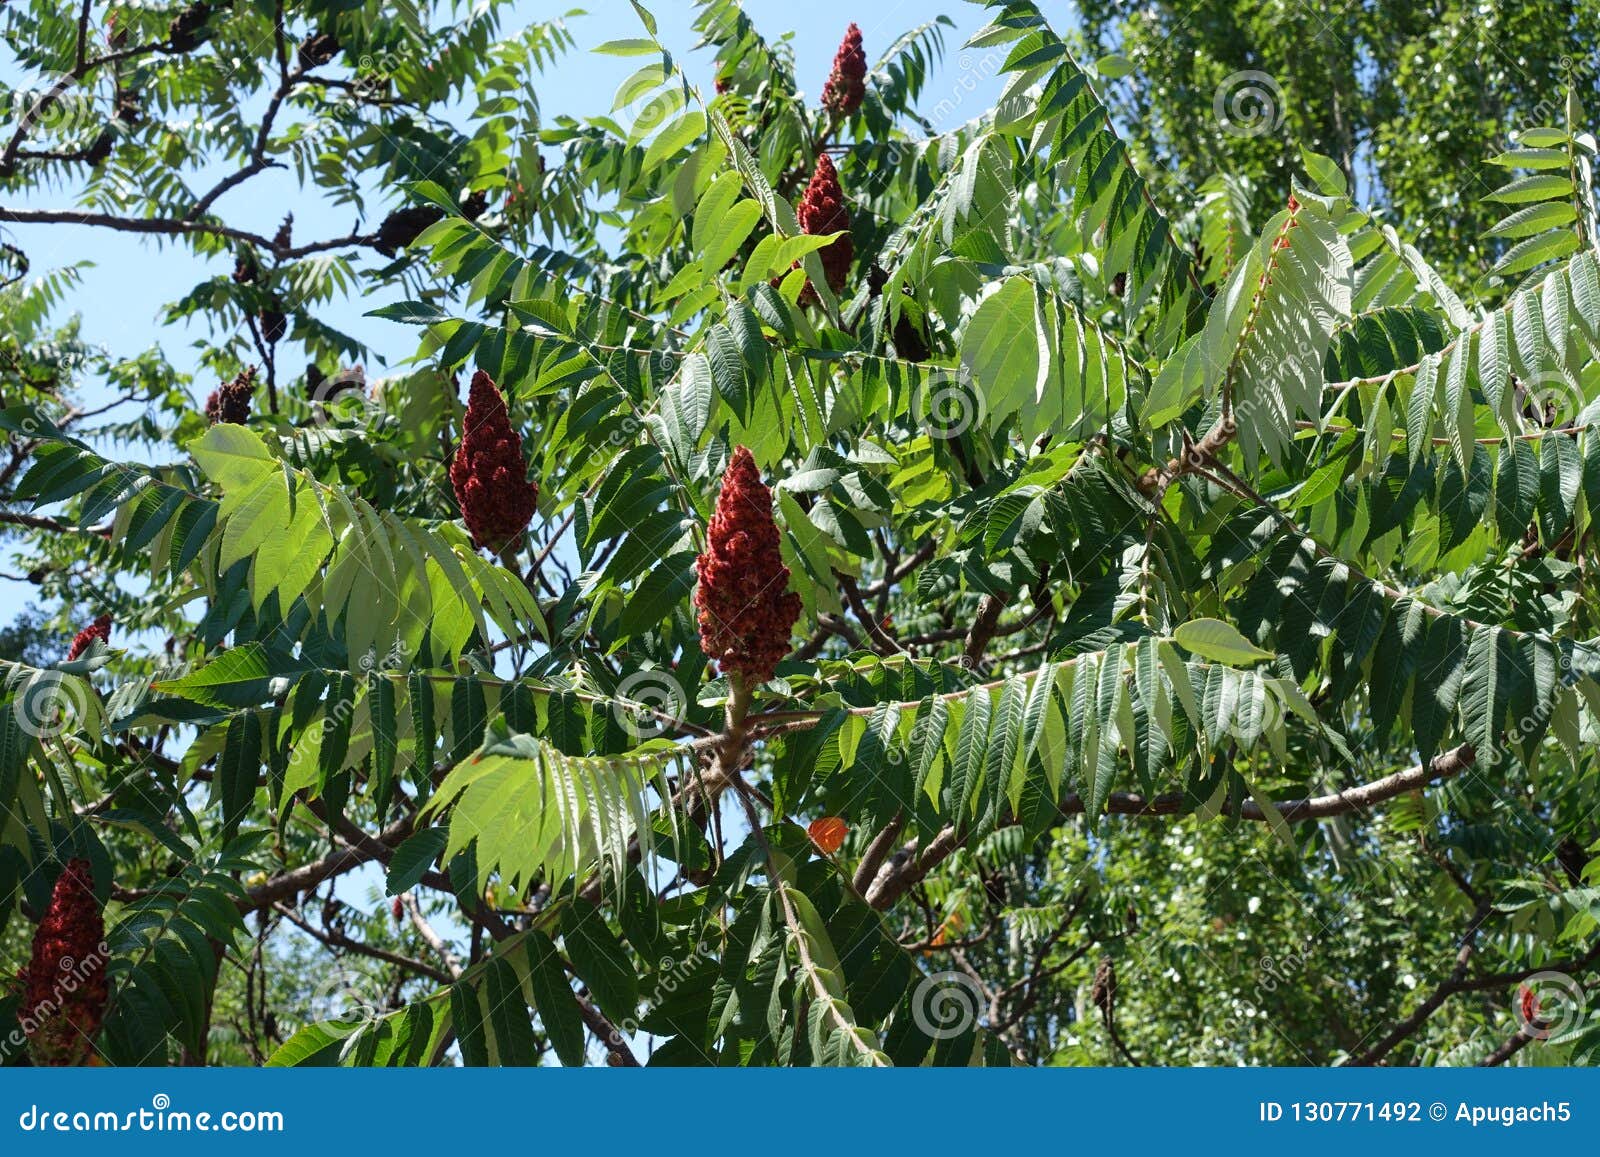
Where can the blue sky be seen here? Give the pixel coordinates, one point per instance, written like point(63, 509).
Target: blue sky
point(133, 277)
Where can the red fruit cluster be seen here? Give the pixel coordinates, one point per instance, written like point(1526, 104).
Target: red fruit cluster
point(64, 983)
point(1528, 1005)
point(230, 402)
point(746, 607)
point(487, 473)
point(84, 639)
point(822, 210)
point(847, 83)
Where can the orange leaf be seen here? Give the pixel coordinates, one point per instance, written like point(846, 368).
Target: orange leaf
point(828, 834)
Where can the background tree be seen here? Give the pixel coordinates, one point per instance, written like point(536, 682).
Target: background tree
point(1408, 99)
point(897, 591)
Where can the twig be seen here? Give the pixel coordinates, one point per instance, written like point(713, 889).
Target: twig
point(339, 940)
point(1437, 997)
point(617, 1050)
point(167, 226)
point(1155, 481)
point(1518, 1041)
point(335, 863)
point(408, 900)
point(798, 933)
point(883, 642)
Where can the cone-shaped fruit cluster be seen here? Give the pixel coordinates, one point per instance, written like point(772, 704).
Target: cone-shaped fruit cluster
point(318, 49)
point(403, 226)
point(746, 607)
point(230, 402)
point(487, 473)
point(822, 210)
point(84, 639)
point(847, 83)
point(64, 984)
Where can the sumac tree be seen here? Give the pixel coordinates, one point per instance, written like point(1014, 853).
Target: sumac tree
point(894, 592)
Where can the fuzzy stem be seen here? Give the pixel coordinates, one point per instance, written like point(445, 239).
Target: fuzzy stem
point(735, 738)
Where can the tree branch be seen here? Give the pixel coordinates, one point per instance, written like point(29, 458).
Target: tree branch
point(1519, 1040)
point(1437, 997)
point(339, 940)
point(335, 863)
point(872, 859)
point(1155, 481)
point(618, 1054)
point(908, 867)
point(170, 227)
point(983, 628)
point(83, 67)
point(408, 900)
point(882, 642)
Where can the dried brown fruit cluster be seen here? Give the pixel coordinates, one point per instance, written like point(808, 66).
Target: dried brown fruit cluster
point(274, 324)
point(183, 34)
point(822, 210)
point(84, 639)
point(909, 344)
point(99, 149)
point(847, 83)
point(64, 988)
point(746, 607)
point(1103, 991)
point(230, 402)
point(488, 473)
point(404, 226)
point(318, 49)
point(130, 110)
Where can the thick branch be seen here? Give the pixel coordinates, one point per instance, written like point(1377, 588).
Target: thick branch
point(983, 628)
point(335, 863)
point(872, 860)
point(908, 867)
point(170, 227)
point(1519, 1041)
